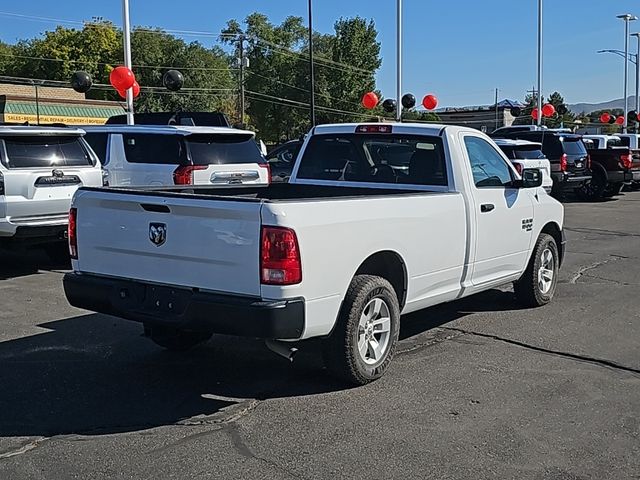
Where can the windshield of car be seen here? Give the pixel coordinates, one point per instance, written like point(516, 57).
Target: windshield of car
point(573, 146)
point(44, 151)
point(210, 149)
point(377, 158)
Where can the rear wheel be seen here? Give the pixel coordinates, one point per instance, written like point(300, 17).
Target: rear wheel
point(538, 283)
point(613, 189)
point(595, 189)
point(363, 342)
point(175, 339)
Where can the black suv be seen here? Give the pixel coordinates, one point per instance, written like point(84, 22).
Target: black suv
point(570, 163)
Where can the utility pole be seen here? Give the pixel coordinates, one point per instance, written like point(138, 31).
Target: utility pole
point(126, 30)
point(242, 65)
point(311, 70)
point(637, 35)
point(496, 110)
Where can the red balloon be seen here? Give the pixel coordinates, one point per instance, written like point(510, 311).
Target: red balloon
point(369, 100)
point(429, 102)
point(620, 120)
point(534, 113)
point(136, 89)
point(122, 93)
point(548, 110)
point(605, 117)
point(121, 78)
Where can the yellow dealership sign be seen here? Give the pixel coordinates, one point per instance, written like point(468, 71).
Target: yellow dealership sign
point(23, 117)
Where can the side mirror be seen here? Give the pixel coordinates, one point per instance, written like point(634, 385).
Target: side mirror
point(531, 178)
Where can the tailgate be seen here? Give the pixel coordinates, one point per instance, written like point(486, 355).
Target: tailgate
point(45, 191)
point(188, 241)
point(635, 158)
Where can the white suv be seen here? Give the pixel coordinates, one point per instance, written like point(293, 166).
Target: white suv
point(40, 170)
point(150, 155)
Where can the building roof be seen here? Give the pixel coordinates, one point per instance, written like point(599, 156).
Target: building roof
point(62, 110)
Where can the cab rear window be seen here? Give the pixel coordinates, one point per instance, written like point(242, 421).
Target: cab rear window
point(222, 149)
point(375, 158)
point(41, 151)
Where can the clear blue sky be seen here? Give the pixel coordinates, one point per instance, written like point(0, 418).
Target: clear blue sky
point(460, 50)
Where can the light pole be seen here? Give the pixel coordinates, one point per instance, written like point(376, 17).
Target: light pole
point(126, 31)
point(399, 62)
point(539, 116)
point(637, 35)
point(627, 17)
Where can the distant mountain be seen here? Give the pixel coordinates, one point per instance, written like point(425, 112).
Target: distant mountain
point(591, 107)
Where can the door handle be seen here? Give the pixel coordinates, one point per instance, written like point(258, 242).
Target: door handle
point(487, 207)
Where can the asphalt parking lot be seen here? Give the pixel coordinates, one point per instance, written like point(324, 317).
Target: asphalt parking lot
point(479, 389)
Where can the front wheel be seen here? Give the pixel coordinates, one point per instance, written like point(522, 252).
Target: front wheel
point(538, 283)
point(363, 342)
point(175, 339)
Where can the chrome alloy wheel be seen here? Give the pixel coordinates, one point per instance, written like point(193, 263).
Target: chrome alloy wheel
point(374, 331)
point(546, 271)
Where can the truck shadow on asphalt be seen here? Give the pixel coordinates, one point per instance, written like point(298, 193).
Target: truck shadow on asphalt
point(95, 374)
point(22, 263)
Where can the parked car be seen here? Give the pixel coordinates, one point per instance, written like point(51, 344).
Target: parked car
point(568, 156)
point(631, 140)
point(337, 254)
point(40, 170)
point(281, 160)
point(613, 166)
point(192, 119)
point(526, 155)
point(140, 155)
point(501, 131)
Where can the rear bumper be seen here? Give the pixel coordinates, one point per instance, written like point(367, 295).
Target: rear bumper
point(567, 181)
point(30, 234)
point(622, 176)
point(187, 309)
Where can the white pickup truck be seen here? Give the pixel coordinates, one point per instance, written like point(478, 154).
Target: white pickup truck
point(340, 252)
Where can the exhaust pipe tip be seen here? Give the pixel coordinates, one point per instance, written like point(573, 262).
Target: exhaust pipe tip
point(283, 349)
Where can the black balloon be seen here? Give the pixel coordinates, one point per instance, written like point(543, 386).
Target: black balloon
point(632, 116)
point(562, 109)
point(173, 80)
point(612, 119)
point(389, 105)
point(515, 111)
point(81, 82)
point(408, 100)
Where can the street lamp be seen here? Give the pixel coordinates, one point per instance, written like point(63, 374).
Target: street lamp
point(637, 35)
point(627, 17)
point(539, 116)
point(620, 53)
point(399, 61)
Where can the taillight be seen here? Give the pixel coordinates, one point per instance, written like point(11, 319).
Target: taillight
point(73, 233)
point(589, 162)
point(279, 257)
point(374, 128)
point(626, 161)
point(266, 166)
point(519, 168)
point(563, 162)
point(183, 175)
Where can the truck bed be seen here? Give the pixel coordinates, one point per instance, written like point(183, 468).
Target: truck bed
point(277, 192)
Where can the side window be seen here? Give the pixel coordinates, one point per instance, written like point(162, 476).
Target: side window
point(155, 149)
point(488, 167)
point(98, 143)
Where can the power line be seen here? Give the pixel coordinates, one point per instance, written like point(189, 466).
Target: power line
point(159, 67)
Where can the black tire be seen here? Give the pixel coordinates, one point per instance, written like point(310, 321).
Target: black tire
point(174, 339)
point(613, 189)
point(594, 190)
point(528, 289)
point(58, 253)
point(340, 351)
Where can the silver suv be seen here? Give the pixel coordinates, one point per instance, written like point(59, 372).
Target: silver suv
point(40, 170)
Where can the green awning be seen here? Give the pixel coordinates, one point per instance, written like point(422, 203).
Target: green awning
point(63, 110)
